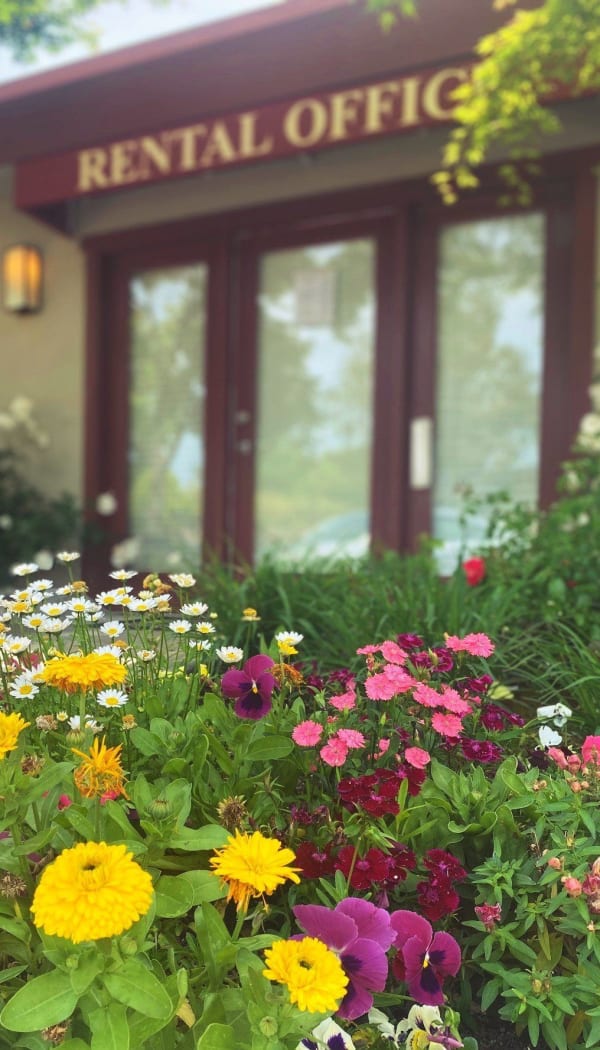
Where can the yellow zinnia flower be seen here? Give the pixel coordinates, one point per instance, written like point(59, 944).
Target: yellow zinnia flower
point(100, 772)
point(91, 891)
point(313, 974)
point(10, 727)
point(76, 673)
point(253, 865)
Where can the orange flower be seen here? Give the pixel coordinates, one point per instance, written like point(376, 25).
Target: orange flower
point(100, 772)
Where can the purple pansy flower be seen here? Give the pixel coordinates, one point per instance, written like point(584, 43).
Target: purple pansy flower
point(360, 934)
point(426, 958)
point(252, 687)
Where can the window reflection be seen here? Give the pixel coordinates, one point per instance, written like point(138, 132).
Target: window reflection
point(489, 369)
point(315, 396)
point(166, 450)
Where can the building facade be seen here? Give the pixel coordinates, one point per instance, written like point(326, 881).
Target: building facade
point(262, 331)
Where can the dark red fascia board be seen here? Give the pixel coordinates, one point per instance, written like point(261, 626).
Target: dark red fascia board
point(284, 51)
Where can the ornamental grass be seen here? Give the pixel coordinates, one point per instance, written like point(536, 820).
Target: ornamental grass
point(212, 838)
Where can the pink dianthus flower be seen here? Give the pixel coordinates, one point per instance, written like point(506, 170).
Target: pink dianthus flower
point(335, 752)
point(417, 757)
point(474, 644)
point(447, 725)
point(307, 734)
point(351, 738)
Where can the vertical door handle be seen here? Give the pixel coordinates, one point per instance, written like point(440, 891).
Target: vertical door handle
point(421, 453)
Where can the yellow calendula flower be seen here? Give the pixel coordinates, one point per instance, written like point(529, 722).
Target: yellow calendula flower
point(100, 772)
point(253, 866)
point(91, 891)
point(313, 974)
point(76, 673)
point(10, 727)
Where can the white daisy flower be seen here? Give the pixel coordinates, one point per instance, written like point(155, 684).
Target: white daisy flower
point(146, 655)
point(288, 638)
point(142, 604)
point(180, 626)
point(55, 625)
point(65, 590)
point(23, 688)
point(16, 644)
point(40, 585)
point(110, 650)
point(194, 608)
point(34, 622)
point(230, 654)
point(25, 568)
point(205, 627)
point(67, 556)
point(123, 574)
point(113, 628)
point(182, 579)
point(112, 698)
point(82, 605)
point(54, 608)
point(90, 723)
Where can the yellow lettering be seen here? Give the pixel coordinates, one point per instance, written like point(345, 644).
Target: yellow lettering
point(92, 169)
point(153, 153)
point(379, 105)
point(317, 115)
point(344, 107)
point(121, 160)
point(409, 114)
point(219, 146)
point(249, 147)
point(187, 139)
point(432, 91)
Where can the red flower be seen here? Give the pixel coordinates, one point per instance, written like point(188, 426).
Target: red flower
point(488, 914)
point(474, 569)
point(373, 867)
point(314, 863)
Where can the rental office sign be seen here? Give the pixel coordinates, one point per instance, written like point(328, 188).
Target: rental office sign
point(304, 125)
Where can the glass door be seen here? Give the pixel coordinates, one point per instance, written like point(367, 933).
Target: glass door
point(305, 416)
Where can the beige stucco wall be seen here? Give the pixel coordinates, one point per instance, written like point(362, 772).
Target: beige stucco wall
point(41, 356)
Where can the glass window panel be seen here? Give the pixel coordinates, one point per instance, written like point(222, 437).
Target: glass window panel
point(315, 397)
point(489, 370)
point(166, 450)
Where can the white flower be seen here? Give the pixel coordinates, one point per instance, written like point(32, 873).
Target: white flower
point(182, 579)
point(66, 589)
point(230, 654)
point(205, 627)
point(112, 698)
point(66, 556)
point(39, 585)
point(114, 597)
point(194, 608)
point(34, 622)
point(123, 574)
point(23, 688)
point(106, 504)
point(142, 604)
point(125, 552)
point(324, 1035)
point(180, 626)
point(54, 608)
point(203, 645)
point(113, 628)
point(82, 605)
point(110, 650)
point(288, 638)
point(55, 625)
point(16, 644)
point(548, 737)
point(90, 723)
point(557, 713)
point(146, 655)
point(45, 560)
point(25, 568)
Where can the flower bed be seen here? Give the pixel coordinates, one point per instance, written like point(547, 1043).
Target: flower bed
point(207, 846)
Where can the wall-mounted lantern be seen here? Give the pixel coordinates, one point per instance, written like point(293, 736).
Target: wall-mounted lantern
point(22, 279)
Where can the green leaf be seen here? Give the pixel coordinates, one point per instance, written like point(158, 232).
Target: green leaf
point(89, 967)
point(207, 838)
point(217, 1037)
point(268, 748)
point(45, 1001)
point(205, 886)
point(110, 1030)
point(174, 896)
point(137, 987)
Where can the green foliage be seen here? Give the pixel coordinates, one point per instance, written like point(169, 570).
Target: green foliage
point(26, 25)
